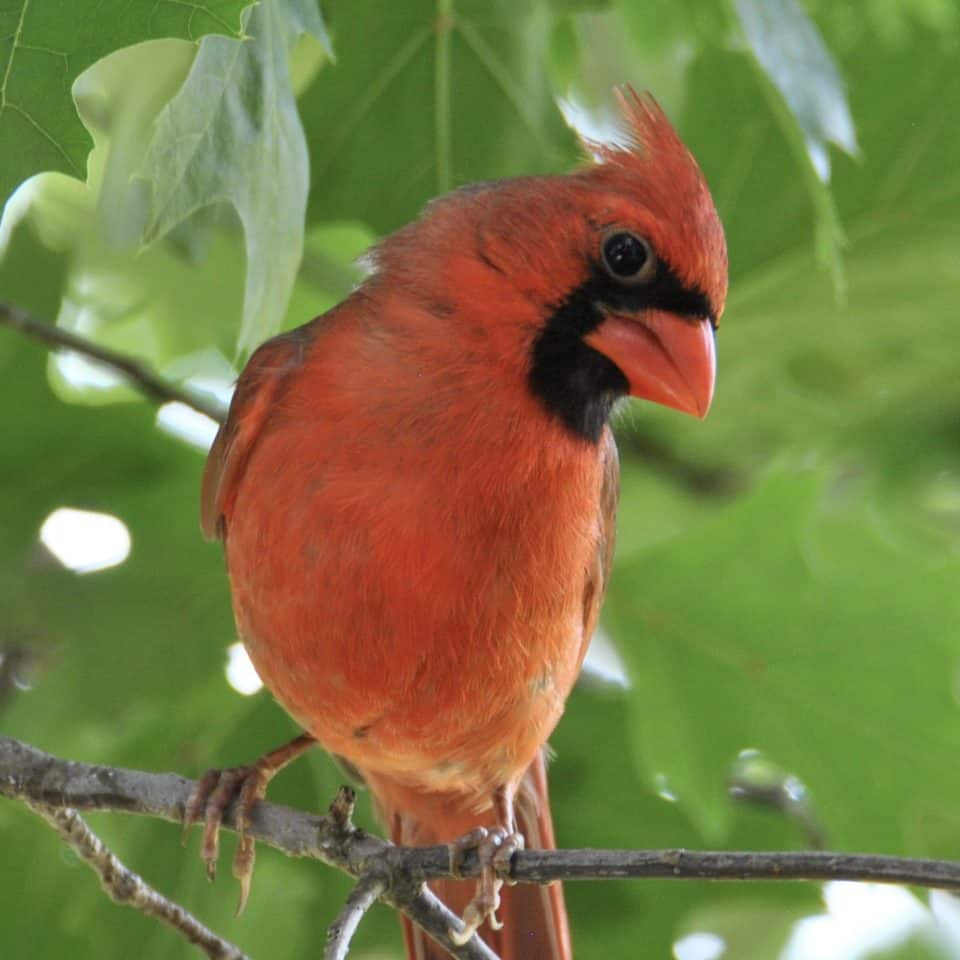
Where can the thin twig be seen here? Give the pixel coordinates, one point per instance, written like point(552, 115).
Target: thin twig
point(543, 866)
point(424, 908)
point(706, 480)
point(399, 887)
point(124, 886)
point(29, 774)
point(136, 373)
point(364, 895)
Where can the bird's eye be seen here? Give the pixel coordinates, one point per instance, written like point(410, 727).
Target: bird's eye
point(629, 258)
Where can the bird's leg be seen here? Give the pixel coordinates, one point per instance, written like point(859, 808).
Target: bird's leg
point(495, 849)
point(214, 793)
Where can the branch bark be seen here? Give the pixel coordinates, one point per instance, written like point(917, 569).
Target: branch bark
point(363, 896)
point(124, 886)
point(29, 774)
point(35, 777)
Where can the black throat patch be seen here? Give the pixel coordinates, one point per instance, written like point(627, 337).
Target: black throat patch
point(578, 384)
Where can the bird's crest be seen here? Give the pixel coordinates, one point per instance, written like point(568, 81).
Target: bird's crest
point(652, 163)
point(650, 147)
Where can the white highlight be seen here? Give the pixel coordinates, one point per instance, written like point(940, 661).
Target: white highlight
point(82, 373)
point(187, 424)
point(661, 783)
point(206, 373)
point(598, 126)
point(16, 209)
point(84, 541)
point(700, 946)
point(241, 673)
point(604, 662)
point(945, 910)
point(861, 919)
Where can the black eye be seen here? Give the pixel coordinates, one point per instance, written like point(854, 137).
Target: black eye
point(629, 258)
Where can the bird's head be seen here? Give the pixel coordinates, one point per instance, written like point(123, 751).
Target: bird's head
point(630, 265)
point(610, 280)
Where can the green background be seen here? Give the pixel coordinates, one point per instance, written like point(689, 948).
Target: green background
point(787, 572)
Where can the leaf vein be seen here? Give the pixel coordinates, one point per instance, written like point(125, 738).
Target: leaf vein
point(502, 78)
point(376, 90)
point(13, 52)
point(47, 136)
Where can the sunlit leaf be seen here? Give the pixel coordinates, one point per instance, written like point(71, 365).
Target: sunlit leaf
point(792, 53)
point(45, 47)
point(232, 134)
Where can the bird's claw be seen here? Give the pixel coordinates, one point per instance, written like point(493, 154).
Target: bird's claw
point(495, 849)
point(460, 847)
point(215, 792)
point(245, 786)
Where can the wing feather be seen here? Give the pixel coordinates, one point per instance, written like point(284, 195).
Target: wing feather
point(599, 576)
point(258, 389)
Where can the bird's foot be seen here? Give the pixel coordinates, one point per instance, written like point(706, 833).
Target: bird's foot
point(243, 786)
point(495, 849)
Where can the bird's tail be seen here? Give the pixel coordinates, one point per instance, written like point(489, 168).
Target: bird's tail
point(534, 917)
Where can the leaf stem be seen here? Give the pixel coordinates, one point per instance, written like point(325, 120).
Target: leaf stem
point(443, 28)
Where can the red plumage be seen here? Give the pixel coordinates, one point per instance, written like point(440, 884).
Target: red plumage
point(417, 490)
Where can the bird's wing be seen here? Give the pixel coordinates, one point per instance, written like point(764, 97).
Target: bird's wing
point(259, 388)
point(599, 575)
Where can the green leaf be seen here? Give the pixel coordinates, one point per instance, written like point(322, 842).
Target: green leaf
point(791, 51)
point(672, 29)
point(450, 93)
point(130, 670)
point(232, 134)
point(786, 571)
point(134, 304)
point(45, 48)
point(819, 661)
point(813, 110)
point(798, 371)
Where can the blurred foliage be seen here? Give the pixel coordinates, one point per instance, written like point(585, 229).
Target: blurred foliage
point(787, 575)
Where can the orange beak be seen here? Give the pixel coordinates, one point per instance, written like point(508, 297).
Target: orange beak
point(665, 358)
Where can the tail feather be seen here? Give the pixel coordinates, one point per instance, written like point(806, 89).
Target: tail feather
point(534, 917)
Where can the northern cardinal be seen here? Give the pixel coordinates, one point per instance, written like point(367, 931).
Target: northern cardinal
point(417, 494)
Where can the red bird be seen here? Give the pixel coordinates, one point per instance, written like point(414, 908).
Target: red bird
point(417, 493)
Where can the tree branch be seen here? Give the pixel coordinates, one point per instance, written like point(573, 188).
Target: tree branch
point(138, 375)
point(363, 896)
point(29, 774)
point(124, 886)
